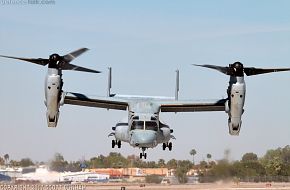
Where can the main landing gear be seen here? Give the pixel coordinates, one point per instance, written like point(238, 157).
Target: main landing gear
point(169, 145)
point(116, 142)
point(143, 153)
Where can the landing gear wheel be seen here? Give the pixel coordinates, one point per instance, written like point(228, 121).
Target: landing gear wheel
point(163, 146)
point(170, 146)
point(113, 143)
point(119, 144)
point(143, 154)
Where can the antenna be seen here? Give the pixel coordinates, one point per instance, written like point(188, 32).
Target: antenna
point(109, 82)
point(177, 85)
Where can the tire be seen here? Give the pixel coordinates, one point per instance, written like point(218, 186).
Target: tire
point(145, 155)
point(164, 146)
point(119, 144)
point(113, 143)
point(170, 146)
point(141, 155)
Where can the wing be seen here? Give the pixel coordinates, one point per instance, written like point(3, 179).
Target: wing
point(100, 102)
point(193, 106)
point(122, 103)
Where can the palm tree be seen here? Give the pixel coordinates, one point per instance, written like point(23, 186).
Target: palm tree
point(6, 158)
point(208, 157)
point(192, 153)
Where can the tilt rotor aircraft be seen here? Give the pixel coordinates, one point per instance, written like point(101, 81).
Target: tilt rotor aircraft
point(143, 128)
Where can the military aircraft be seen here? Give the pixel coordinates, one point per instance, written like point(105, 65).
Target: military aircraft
point(143, 128)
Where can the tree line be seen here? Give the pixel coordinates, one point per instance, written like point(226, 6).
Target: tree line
point(275, 162)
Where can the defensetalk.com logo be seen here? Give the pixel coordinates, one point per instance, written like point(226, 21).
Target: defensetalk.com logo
point(27, 2)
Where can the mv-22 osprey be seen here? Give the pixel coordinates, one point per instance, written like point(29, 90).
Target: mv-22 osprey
point(143, 128)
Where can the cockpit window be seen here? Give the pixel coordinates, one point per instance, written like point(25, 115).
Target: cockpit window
point(137, 125)
point(151, 125)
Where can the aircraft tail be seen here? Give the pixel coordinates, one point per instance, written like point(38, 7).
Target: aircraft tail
point(177, 85)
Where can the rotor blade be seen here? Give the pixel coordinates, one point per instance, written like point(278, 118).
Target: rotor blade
point(38, 61)
point(78, 68)
point(224, 70)
point(71, 56)
point(256, 71)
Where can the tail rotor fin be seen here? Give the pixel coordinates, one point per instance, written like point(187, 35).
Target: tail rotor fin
point(177, 85)
point(109, 82)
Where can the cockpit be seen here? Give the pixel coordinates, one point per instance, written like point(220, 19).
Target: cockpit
point(144, 125)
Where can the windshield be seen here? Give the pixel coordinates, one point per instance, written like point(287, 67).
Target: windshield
point(137, 125)
point(151, 125)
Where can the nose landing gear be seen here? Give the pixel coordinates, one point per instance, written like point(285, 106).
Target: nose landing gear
point(143, 153)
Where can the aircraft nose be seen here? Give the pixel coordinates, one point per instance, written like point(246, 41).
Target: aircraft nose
point(144, 138)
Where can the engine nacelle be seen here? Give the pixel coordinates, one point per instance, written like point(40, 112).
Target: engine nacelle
point(121, 132)
point(235, 105)
point(53, 98)
point(234, 126)
point(165, 129)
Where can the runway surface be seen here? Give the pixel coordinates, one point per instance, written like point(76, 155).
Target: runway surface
point(204, 186)
point(208, 186)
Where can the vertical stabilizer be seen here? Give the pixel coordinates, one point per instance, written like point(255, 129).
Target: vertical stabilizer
point(109, 82)
point(177, 85)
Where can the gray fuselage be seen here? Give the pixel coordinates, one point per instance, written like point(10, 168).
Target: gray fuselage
point(143, 129)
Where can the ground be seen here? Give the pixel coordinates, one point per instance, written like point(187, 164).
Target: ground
point(204, 186)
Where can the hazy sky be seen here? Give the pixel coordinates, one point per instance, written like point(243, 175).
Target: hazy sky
point(144, 42)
